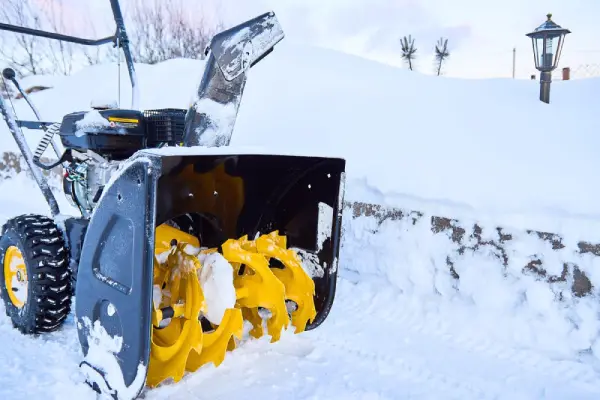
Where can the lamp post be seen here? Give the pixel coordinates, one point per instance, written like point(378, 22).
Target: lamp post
point(547, 40)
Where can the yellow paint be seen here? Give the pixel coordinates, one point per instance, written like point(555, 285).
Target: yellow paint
point(257, 286)
point(299, 286)
point(15, 277)
point(125, 120)
point(171, 346)
point(165, 234)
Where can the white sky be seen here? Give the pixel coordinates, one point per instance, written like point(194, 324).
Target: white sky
point(481, 33)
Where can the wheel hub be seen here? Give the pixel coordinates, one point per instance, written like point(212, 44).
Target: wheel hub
point(15, 277)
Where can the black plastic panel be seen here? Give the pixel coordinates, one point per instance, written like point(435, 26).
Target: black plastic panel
point(75, 229)
point(120, 140)
point(114, 282)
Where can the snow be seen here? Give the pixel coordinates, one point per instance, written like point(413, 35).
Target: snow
point(90, 121)
point(401, 325)
point(216, 280)
point(229, 150)
point(102, 352)
point(215, 277)
point(104, 103)
point(157, 293)
point(324, 225)
point(49, 81)
point(222, 120)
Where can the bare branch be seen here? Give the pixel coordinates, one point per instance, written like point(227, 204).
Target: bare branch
point(21, 51)
point(441, 53)
point(164, 30)
point(408, 50)
point(59, 54)
point(158, 31)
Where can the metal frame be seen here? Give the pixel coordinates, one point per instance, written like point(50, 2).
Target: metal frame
point(15, 130)
point(119, 39)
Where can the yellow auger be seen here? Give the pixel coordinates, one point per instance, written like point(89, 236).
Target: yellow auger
point(299, 288)
point(268, 279)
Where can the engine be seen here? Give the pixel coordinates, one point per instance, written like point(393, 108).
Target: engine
point(115, 134)
point(100, 139)
point(85, 177)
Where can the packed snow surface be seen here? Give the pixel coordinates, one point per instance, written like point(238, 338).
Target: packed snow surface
point(401, 327)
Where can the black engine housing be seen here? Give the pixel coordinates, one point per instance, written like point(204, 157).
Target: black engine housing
point(120, 133)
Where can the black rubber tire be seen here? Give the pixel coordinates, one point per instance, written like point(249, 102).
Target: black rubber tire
point(49, 277)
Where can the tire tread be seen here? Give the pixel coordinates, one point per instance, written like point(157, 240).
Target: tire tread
point(46, 257)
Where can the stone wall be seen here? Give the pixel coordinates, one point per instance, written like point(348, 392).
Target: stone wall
point(12, 163)
point(466, 237)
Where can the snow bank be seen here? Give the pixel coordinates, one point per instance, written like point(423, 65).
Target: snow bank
point(457, 147)
point(475, 150)
point(499, 295)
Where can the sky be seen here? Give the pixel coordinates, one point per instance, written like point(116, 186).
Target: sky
point(481, 33)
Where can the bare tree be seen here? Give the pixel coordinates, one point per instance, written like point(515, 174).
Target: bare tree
point(94, 55)
point(32, 55)
point(158, 31)
point(59, 54)
point(408, 50)
point(163, 30)
point(441, 54)
point(23, 53)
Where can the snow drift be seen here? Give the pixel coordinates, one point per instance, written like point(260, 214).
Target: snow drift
point(485, 152)
point(473, 148)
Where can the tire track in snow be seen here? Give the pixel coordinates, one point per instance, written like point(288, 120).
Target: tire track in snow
point(565, 370)
point(406, 321)
point(415, 373)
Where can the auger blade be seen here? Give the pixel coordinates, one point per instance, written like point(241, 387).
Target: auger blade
point(299, 287)
point(168, 357)
point(216, 343)
point(171, 346)
point(251, 315)
point(258, 288)
point(165, 234)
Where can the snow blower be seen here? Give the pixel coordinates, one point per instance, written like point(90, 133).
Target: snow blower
point(183, 245)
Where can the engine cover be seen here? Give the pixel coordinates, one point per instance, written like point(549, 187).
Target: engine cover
point(112, 133)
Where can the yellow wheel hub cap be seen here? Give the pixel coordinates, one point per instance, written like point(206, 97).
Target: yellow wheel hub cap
point(15, 276)
point(180, 342)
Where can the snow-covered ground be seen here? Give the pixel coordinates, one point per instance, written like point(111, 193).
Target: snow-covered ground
point(397, 331)
point(401, 326)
